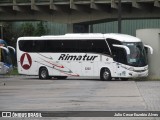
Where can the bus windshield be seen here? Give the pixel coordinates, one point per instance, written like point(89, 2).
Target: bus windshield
point(137, 56)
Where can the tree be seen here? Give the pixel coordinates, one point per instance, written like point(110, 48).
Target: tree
point(40, 29)
point(27, 29)
point(11, 33)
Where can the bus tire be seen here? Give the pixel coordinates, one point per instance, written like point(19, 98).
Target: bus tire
point(105, 74)
point(43, 73)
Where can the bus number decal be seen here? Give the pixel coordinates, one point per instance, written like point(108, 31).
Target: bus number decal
point(87, 68)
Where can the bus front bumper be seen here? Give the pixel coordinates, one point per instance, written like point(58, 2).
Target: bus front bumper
point(138, 74)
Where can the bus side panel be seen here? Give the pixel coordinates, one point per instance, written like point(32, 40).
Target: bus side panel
point(77, 64)
point(76, 67)
point(70, 67)
point(48, 60)
point(27, 63)
point(33, 70)
point(65, 70)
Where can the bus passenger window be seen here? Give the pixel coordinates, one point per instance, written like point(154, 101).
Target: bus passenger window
point(70, 46)
point(85, 46)
point(100, 46)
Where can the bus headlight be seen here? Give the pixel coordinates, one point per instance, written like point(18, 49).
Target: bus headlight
point(128, 68)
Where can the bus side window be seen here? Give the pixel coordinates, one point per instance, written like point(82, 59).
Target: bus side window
point(85, 46)
point(21, 45)
point(53, 46)
point(100, 46)
point(26, 45)
point(70, 46)
point(40, 46)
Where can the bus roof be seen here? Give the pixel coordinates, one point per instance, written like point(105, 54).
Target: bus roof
point(77, 36)
point(120, 37)
point(68, 36)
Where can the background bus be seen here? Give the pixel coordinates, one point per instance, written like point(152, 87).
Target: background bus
point(105, 55)
point(5, 58)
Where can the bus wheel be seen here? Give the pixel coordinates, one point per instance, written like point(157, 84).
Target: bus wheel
point(43, 73)
point(105, 74)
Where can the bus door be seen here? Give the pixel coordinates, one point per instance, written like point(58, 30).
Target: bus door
point(119, 54)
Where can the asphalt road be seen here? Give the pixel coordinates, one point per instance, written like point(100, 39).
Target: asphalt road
point(28, 93)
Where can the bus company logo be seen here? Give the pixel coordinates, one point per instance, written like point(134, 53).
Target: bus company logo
point(26, 61)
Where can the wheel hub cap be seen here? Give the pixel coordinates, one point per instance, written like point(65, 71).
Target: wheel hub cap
point(43, 74)
point(106, 75)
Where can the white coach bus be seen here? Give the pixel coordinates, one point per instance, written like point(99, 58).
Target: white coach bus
point(105, 55)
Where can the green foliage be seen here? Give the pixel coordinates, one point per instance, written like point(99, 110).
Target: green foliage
point(40, 29)
point(9, 35)
point(27, 29)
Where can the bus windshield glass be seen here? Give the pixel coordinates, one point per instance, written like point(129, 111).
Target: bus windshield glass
point(137, 56)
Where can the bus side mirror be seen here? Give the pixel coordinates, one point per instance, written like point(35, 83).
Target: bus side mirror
point(124, 47)
point(149, 47)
